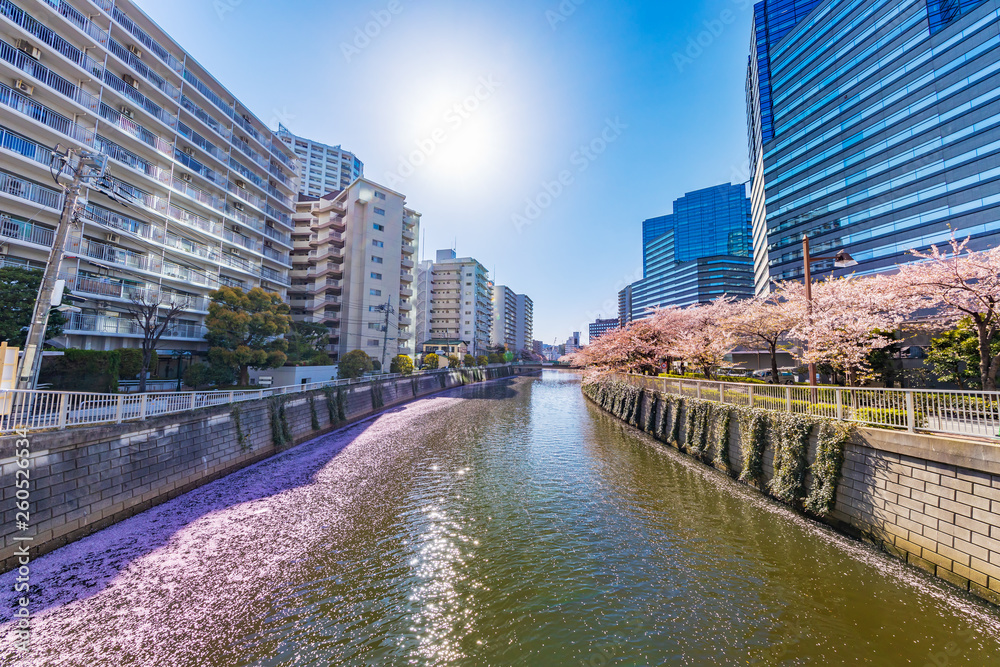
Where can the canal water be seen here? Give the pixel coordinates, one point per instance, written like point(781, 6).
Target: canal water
point(510, 523)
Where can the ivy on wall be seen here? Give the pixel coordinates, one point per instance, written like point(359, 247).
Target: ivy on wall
point(281, 434)
point(377, 399)
point(788, 435)
point(312, 413)
point(242, 438)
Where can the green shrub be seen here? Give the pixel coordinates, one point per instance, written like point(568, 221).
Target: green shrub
point(454, 361)
point(482, 360)
point(355, 364)
point(887, 418)
point(432, 361)
point(401, 364)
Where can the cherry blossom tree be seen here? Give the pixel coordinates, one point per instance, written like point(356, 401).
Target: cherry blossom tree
point(704, 336)
point(958, 282)
point(840, 325)
point(640, 347)
point(765, 320)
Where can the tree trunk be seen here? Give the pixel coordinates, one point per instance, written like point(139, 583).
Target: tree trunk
point(244, 380)
point(147, 356)
point(985, 356)
point(775, 376)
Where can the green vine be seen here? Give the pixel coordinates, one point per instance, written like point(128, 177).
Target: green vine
point(791, 444)
point(650, 422)
point(414, 386)
point(754, 441)
point(242, 438)
point(827, 468)
point(443, 380)
point(721, 460)
point(312, 413)
point(281, 434)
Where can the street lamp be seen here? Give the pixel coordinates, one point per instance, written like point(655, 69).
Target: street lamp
point(842, 260)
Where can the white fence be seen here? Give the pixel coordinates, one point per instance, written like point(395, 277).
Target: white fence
point(30, 410)
point(975, 413)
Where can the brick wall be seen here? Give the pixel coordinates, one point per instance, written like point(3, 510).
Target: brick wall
point(933, 501)
point(84, 479)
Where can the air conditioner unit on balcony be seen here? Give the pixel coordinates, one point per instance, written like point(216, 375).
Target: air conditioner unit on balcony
point(235, 252)
point(24, 46)
point(186, 177)
point(112, 238)
point(241, 184)
point(188, 150)
point(244, 139)
point(238, 206)
point(128, 112)
point(131, 80)
point(24, 87)
point(134, 50)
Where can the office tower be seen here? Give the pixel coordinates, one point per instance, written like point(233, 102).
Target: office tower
point(873, 128)
point(698, 253)
point(572, 344)
point(197, 192)
point(354, 256)
point(625, 302)
point(600, 327)
point(322, 168)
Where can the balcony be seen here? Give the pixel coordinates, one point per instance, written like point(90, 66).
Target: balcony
point(407, 263)
point(124, 326)
point(209, 121)
point(87, 26)
point(408, 249)
point(111, 289)
point(26, 232)
point(134, 129)
point(51, 39)
point(132, 94)
point(143, 70)
point(408, 235)
point(110, 254)
point(140, 35)
point(405, 292)
point(405, 321)
point(406, 277)
point(36, 70)
point(33, 192)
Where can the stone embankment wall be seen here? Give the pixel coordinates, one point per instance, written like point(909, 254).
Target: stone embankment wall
point(85, 479)
point(933, 501)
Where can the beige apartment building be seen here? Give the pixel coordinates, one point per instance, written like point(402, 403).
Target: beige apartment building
point(353, 258)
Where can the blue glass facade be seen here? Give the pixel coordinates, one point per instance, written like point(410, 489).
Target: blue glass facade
point(885, 133)
point(698, 253)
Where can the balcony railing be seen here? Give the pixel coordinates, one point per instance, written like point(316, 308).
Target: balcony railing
point(196, 193)
point(28, 232)
point(74, 16)
point(209, 94)
point(44, 115)
point(125, 326)
point(277, 235)
point(131, 93)
point(110, 254)
point(143, 70)
point(25, 147)
point(33, 192)
point(123, 223)
point(130, 159)
point(140, 35)
point(111, 289)
point(202, 143)
point(210, 122)
point(132, 128)
point(35, 69)
point(50, 38)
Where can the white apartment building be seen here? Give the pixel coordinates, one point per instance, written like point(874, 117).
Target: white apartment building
point(524, 323)
point(322, 168)
point(198, 192)
point(460, 305)
point(504, 330)
point(354, 255)
point(422, 307)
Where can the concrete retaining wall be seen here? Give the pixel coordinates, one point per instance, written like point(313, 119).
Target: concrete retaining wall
point(84, 479)
point(932, 501)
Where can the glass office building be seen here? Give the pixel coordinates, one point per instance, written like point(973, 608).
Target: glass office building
point(874, 127)
point(698, 253)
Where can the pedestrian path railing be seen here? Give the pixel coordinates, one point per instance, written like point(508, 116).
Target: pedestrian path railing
point(975, 413)
point(32, 410)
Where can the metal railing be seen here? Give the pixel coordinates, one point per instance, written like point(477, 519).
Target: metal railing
point(975, 413)
point(30, 410)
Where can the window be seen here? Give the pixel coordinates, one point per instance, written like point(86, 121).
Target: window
point(373, 309)
point(376, 260)
point(375, 325)
point(379, 211)
point(379, 228)
point(373, 343)
point(378, 244)
point(380, 196)
point(376, 276)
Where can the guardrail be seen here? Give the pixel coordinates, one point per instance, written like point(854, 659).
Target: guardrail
point(975, 413)
point(32, 410)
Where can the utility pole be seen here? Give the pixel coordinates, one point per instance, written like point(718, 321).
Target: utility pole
point(385, 328)
point(89, 164)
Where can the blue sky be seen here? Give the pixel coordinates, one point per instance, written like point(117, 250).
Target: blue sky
point(629, 105)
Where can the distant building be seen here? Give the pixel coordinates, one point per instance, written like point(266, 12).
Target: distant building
point(625, 306)
point(524, 323)
point(322, 168)
point(459, 305)
point(600, 327)
point(572, 344)
point(537, 347)
point(503, 331)
point(698, 253)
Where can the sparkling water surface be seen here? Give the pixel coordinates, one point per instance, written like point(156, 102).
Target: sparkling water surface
point(509, 523)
